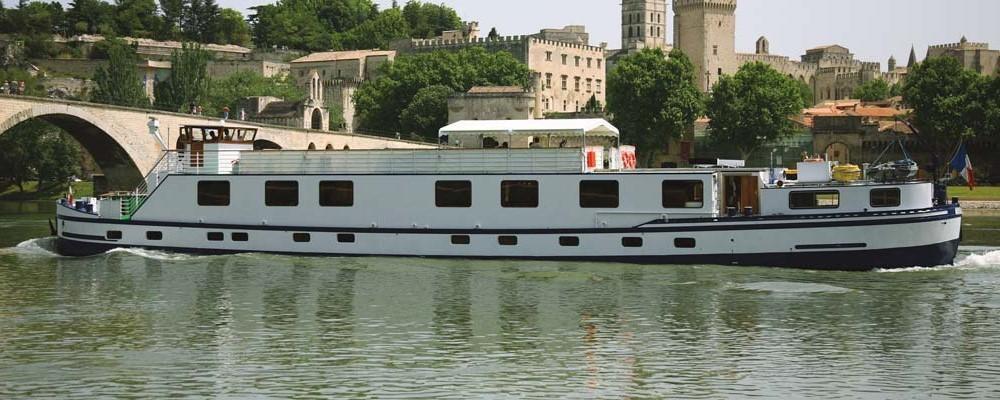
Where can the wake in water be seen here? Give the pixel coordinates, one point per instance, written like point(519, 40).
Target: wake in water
point(40, 247)
point(984, 258)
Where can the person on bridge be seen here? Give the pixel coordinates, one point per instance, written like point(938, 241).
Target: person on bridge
point(225, 112)
point(21, 88)
point(5, 88)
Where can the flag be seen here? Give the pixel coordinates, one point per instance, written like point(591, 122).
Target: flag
point(963, 165)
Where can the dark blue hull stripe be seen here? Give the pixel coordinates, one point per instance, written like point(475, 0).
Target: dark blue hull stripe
point(713, 227)
point(844, 260)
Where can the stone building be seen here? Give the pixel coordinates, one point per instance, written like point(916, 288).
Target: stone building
point(570, 73)
point(705, 30)
point(973, 56)
point(333, 77)
point(494, 103)
point(644, 24)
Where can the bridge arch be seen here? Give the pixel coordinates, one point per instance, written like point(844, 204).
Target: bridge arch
point(116, 152)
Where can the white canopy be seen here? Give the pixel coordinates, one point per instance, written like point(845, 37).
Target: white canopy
point(532, 127)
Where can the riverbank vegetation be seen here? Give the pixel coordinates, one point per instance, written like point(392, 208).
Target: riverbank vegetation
point(980, 193)
point(10, 192)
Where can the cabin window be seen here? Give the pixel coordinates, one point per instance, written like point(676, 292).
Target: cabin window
point(461, 239)
point(813, 200)
point(281, 193)
point(154, 235)
point(346, 238)
point(519, 194)
point(114, 235)
point(215, 236)
point(301, 237)
point(599, 194)
point(569, 241)
point(336, 194)
point(507, 240)
point(632, 242)
point(684, 243)
point(213, 193)
point(240, 237)
point(453, 194)
point(886, 198)
point(683, 194)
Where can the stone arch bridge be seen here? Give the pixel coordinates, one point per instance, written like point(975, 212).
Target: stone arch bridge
point(121, 143)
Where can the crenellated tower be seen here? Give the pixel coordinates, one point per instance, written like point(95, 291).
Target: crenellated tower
point(705, 30)
point(644, 24)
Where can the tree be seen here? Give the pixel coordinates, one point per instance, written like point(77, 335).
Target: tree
point(427, 20)
point(36, 18)
point(753, 107)
point(137, 18)
point(230, 91)
point(58, 158)
point(315, 25)
point(380, 102)
point(808, 99)
point(20, 151)
point(188, 83)
point(593, 106)
point(90, 17)
point(653, 98)
point(199, 21)
point(119, 82)
point(943, 96)
point(427, 113)
point(38, 150)
point(378, 32)
point(173, 14)
point(231, 28)
point(873, 90)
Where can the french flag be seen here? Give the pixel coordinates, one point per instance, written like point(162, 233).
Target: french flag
point(963, 165)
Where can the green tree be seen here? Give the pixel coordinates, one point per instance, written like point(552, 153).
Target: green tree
point(377, 32)
point(188, 83)
point(753, 107)
point(427, 20)
point(58, 158)
point(232, 28)
point(944, 99)
point(230, 91)
point(90, 17)
point(653, 98)
point(380, 102)
point(20, 152)
point(427, 113)
point(137, 18)
point(35, 18)
point(593, 106)
point(119, 82)
point(806, 93)
point(315, 25)
point(173, 14)
point(200, 20)
point(873, 90)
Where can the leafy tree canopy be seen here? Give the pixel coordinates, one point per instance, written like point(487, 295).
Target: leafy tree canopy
point(946, 103)
point(381, 102)
point(873, 90)
point(427, 113)
point(427, 20)
point(188, 83)
point(230, 91)
point(653, 98)
point(753, 107)
point(119, 82)
point(37, 150)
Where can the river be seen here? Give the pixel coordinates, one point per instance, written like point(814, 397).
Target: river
point(149, 324)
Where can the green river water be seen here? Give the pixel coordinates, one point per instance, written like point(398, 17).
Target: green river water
point(140, 324)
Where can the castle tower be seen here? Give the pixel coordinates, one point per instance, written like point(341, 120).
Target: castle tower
point(705, 30)
point(644, 24)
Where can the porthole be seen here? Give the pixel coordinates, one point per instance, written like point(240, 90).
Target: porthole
point(215, 236)
point(301, 237)
point(569, 241)
point(461, 239)
point(684, 243)
point(507, 240)
point(154, 235)
point(240, 237)
point(346, 238)
point(114, 235)
point(632, 241)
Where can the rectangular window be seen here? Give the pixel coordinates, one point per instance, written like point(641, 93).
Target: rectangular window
point(346, 238)
point(548, 56)
point(599, 194)
point(683, 194)
point(590, 85)
point(240, 237)
point(569, 241)
point(453, 194)
point(577, 58)
point(336, 194)
point(590, 62)
point(213, 193)
point(598, 63)
point(461, 239)
point(215, 236)
point(813, 200)
point(886, 198)
point(301, 237)
point(715, 50)
point(281, 193)
point(154, 235)
point(684, 243)
point(519, 194)
point(564, 58)
point(598, 86)
point(632, 242)
point(507, 240)
point(565, 79)
point(548, 81)
point(576, 85)
point(113, 235)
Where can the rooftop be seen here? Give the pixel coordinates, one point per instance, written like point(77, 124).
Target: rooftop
point(496, 89)
point(565, 127)
point(343, 55)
